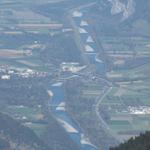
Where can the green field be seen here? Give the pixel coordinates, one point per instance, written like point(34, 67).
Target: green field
point(31, 117)
point(128, 102)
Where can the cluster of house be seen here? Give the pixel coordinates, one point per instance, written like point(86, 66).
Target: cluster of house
point(141, 110)
point(7, 72)
point(71, 67)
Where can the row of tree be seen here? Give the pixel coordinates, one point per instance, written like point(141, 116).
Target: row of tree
point(141, 142)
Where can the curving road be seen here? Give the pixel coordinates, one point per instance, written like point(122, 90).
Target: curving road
point(56, 89)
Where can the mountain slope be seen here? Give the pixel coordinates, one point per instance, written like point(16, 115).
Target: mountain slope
point(13, 135)
point(122, 17)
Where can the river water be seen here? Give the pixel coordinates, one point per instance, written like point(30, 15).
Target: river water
point(71, 127)
point(57, 100)
point(57, 103)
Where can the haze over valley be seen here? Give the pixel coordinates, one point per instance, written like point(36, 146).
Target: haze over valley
point(74, 74)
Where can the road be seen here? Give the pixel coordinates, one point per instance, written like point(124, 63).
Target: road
point(104, 125)
point(86, 61)
point(107, 89)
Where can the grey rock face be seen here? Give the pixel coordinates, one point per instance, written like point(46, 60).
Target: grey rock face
point(127, 9)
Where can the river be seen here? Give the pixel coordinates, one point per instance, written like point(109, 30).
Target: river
point(57, 101)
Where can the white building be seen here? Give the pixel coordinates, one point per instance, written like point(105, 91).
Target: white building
point(5, 77)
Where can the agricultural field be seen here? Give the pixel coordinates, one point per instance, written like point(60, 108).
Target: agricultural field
point(30, 117)
point(91, 90)
point(24, 33)
point(32, 38)
point(128, 103)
